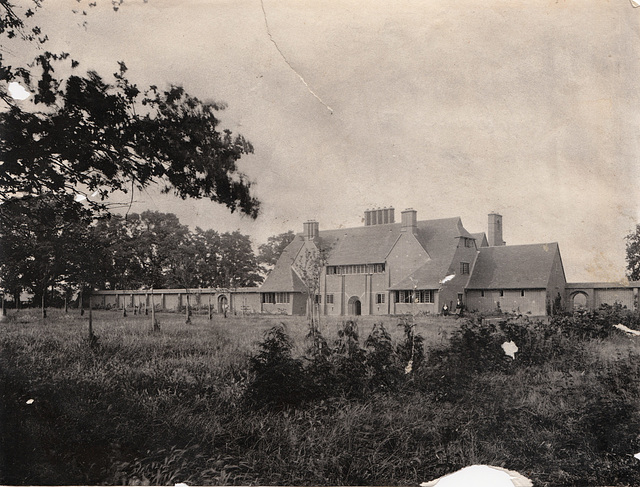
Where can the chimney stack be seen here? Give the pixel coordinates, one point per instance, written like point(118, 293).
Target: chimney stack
point(494, 235)
point(310, 229)
point(410, 221)
point(379, 216)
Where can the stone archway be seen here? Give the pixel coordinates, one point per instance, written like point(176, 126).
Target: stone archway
point(223, 304)
point(355, 306)
point(579, 300)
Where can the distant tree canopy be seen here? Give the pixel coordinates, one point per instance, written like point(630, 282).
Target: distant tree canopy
point(85, 136)
point(268, 253)
point(633, 255)
point(154, 249)
point(56, 247)
point(48, 244)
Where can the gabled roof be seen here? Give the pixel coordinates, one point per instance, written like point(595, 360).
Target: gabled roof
point(283, 278)
point(481, 239)
point(440, 238)
point(371, 244)
point(359, 245)
point(513, 267)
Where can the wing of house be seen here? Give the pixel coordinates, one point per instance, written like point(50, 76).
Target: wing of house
point(517, 278)
point(283, 291)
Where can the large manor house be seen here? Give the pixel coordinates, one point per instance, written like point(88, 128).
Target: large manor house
point(427, 266)
point(412, 266)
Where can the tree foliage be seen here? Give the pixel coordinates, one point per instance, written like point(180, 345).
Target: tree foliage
point(633, 255)
point(57, 244)
point(79, 138)
point(83, 135)
point(154, 249)
point(47, 245)
point(269, 252)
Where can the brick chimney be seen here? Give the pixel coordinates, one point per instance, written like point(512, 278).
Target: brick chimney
point(379, 216)
point(410, 220)
point(310, 229)
point(494, 235)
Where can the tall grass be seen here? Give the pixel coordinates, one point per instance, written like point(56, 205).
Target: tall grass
point(186, 404)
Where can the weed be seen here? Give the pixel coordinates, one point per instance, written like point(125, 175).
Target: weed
point(223, 402)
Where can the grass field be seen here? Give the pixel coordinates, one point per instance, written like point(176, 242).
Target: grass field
point(141, 407)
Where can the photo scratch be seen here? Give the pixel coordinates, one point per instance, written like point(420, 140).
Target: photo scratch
point(266, 23)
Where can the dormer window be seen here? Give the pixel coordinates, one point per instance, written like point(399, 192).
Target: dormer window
point(466, 242)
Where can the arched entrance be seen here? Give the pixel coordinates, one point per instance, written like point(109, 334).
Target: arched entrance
point(579, 300)
point(355, 307)
point(223, 304)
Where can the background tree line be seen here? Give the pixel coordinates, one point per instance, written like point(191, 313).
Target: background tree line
point(55, 249)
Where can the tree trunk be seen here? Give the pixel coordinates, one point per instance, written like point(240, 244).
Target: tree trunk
point(44, 310)
point(82, 301)
point(4, 309)
point(154, 324)
point(66, 301)
point(90, 323)
point(187, 310)
point(210, 316)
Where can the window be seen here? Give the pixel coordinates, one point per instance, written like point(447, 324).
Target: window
point(466, 242)
point(501, 293)
point(380, 298)
point(318, 298)
point(425, 296)
point(269, 298)
point(522, 293)
point(329, 299)
point(464, 268)
point(282, 298)
point(355, 269)
point(404, 296)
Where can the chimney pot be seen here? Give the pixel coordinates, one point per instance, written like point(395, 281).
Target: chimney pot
point(310, 229)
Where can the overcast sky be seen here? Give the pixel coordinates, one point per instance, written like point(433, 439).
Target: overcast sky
point(453, 108)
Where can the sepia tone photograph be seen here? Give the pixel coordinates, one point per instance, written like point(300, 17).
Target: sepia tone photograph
point(276, 242)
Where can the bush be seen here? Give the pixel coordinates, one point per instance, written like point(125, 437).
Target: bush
point(279, 379)
point(344, 370)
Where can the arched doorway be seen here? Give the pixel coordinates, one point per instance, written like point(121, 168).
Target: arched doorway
point(580, 300)
point(223, 304)
point(355, 307)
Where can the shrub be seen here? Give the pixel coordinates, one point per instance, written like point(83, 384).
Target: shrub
point(344, 370)
point(278, 378)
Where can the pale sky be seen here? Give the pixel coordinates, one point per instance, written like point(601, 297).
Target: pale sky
point(454, 108)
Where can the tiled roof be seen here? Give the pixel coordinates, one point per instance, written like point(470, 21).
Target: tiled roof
point(283, 278)
point(513, 267)
point(439, 238)
point(426, 277)
point(481, 239)
point(371, 244)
